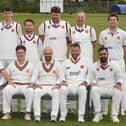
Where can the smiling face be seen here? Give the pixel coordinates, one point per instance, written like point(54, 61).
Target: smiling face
point(80, 18)
point(7, 15)
point(75, 52)
point(103, 56)
point(29, 27)
point(20, 53)
point(48, 54)
point(113, 22)
point(55, 17)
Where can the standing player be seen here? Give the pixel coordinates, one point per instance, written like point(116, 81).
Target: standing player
point(84, 35)
point(76, 71)
point(106, 80)
point(20, 72)
point(9, 33)
point(32, 42)
point(114, 39)
point(49, 76)
point(55, 33)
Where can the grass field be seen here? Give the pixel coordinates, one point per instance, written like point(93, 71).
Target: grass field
point(99, 22)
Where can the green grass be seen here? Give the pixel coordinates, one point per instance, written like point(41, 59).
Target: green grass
point(99, 22)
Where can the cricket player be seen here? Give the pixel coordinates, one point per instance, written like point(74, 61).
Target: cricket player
point(114, 39)
point(9, 33)
point(84, 35)
point(32, 42)
point(20, 72)
point(106, 80)
point(76, 71)
point(5, 76)
point(55, 33)
point(49, 75)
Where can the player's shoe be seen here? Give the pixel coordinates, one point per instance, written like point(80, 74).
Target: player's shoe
point(62, 119)
point(81, 118)
point(37, 118)
point(53, 118)
point(6, 116)
point(115, 119)
point(27, 117)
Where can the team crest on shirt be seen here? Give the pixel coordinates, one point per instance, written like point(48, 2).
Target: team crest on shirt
point(118, 37)
point(62, 26)
point(82, 66)
point(105, 38)
point(49, 27)
point(97, 69)
point(34, 42)
point(54, 72)
point(2, 29)
point(12, 30)
point(27, 71)
point(110, 69)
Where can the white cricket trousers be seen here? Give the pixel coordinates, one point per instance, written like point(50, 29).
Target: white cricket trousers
point(116, 94)
point(80, 91)
point(38, 93)
point(9, 91)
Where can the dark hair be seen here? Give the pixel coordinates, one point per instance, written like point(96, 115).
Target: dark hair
point(113, 15)
point(75, 45)
point(29, 20)
point(7, 9)
point(55, 9)
point(102, 48)
point(20, 47)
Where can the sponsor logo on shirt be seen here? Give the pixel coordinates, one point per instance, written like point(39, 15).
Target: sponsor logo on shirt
point(100, 78)
point(75, 73)
point(52, 38)
point(110, 47)
point(62, 27)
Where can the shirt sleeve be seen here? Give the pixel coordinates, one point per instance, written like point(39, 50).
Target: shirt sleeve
point(93, 34)
point(124, 39)
point(68, 29)
point(101, 39)
point(118, 74)
point(40, 48)
point(41, 29)
point(19, 30)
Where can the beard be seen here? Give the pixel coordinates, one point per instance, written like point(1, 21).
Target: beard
point(103, 59)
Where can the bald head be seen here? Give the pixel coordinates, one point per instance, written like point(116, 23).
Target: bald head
point(48, 53)
point(80, 18)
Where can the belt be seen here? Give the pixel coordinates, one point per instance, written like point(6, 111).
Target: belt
point(18, 83)
point(47, 84)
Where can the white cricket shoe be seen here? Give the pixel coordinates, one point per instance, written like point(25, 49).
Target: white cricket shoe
point(53, 118)
point(62, 119)
point(97, 118)
point(115, 119)
point(37, 118)
point(27, 117)
point(6, 116)
point(81, 118)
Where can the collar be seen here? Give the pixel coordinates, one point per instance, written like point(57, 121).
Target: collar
point(105, 67)
point(75, 61)
point(21, 66)
point(53, 24)
point(109, 32)
point(51, 62)
point(80, 29)
point(29, 37)
point(7, 25)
